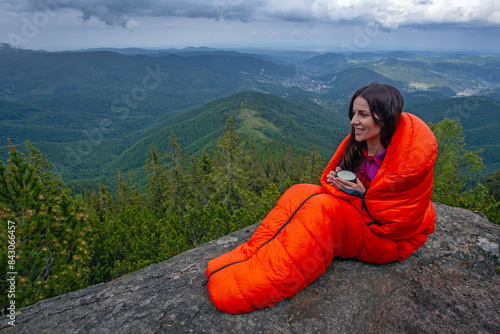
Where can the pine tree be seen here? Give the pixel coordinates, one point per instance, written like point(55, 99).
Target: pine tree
point(179, 195)
point(201, 184)
point(127, 193)
point(290, 166)
point(280, 178)
point(257, 179)
point(230, 178)
point(158, 183)
point(269, 197)
point(53, 236)
point(130, 234)
point(312, 167)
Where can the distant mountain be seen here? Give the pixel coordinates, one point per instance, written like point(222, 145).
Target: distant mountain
point(218, 73)
point(270, 122)
point(344, 83)
point(59, 73)
point(479, 117)
point(493, 93)
point(93, 112)
point(333, 62)
point(55, 99)
point(129, 51)
point(150, 52)
point(267, 121)
point(233, 64)
point(419, 77)
point(7, 49)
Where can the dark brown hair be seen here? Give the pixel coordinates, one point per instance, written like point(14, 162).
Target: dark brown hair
point(386, 105)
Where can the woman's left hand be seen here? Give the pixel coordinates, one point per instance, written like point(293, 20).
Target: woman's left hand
point(339, 183)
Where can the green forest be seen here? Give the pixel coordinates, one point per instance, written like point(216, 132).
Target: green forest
point(63, 241)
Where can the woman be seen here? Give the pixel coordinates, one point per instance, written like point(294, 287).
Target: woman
point(373, 124)
point(384, 216)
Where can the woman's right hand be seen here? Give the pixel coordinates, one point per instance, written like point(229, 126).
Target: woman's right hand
point(332, 175)
point(331, 178)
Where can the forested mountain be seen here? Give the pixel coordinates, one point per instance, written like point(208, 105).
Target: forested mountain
point(479, 117)
point(421, 77)
point(95, 111)
point(63, 73)
point(269, 122)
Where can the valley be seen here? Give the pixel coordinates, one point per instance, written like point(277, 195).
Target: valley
point(94, 112)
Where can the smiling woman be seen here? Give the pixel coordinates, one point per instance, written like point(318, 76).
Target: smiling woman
point(384, 216)
point(364, 126)
point(374, 111)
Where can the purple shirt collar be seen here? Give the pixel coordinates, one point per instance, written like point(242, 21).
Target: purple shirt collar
point(376, 158)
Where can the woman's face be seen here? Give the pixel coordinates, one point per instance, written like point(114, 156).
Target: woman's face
point(362, 121)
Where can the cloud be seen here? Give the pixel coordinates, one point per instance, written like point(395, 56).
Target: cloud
point(388, 14)
point(119, 12)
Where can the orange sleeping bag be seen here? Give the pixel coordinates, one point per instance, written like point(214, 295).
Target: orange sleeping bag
point(311, 224)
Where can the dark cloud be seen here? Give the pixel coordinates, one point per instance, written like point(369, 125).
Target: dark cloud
point(388, 14)
point(118, 12)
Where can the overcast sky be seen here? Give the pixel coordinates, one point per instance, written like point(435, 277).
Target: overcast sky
point(333, 25)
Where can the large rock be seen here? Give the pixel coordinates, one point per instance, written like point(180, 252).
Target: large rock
point(450, 285)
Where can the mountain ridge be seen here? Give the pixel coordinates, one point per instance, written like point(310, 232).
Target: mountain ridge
point(95, 105)
point(266, 120)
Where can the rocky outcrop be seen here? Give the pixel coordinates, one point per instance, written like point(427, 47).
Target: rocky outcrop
point(450, 285)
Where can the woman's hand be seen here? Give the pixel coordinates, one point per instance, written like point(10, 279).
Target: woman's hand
point(337, 182)
point(332, 175)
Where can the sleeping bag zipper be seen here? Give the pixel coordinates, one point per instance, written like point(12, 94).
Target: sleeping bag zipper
point(205, 282)
point(363, 206)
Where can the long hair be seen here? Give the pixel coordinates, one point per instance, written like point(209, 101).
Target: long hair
point(386, 105)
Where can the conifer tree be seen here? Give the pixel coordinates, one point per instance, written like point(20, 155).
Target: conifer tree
point(127, 193)
point(456, 170)
point(53, 237)
point(280, 178)
point(202, 185)
point(493, 185)
point(313, 166)
point(257, 179)
point(230, 176)
point(269, 197)
point(290, 166)
point(179, 195)
point(131, 235)
point(158, 183)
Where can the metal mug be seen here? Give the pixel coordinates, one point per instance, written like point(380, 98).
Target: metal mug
point(346, 175)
